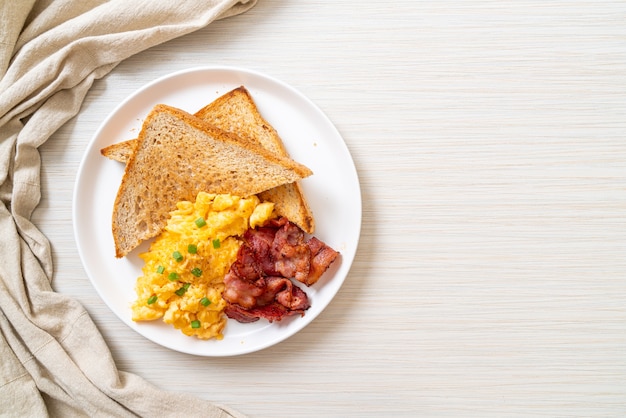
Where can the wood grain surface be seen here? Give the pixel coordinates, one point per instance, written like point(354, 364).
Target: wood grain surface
point(490, 142)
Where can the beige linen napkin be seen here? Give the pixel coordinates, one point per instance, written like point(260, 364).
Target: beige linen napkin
point(53, 360)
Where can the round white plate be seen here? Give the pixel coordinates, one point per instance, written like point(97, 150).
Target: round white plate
point(333, 193)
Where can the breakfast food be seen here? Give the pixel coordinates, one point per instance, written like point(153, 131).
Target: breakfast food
point(258, 283)
point(178, 155)
point(220, 195)
point(182, 280)
point(236, 112)
point(120, 151)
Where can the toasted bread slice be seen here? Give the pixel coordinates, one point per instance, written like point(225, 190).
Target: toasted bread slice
point(161, 172)
point(236, 112)
point(120, 151)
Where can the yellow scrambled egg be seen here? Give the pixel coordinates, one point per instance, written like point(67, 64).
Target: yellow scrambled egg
point(183, 274)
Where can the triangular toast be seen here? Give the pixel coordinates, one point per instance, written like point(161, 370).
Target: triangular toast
point(237, 112)
point(178, 155)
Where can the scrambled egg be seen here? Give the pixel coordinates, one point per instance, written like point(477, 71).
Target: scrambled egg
point(185, 266)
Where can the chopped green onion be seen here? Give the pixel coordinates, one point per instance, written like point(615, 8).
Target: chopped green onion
point(205, 301)
point(160, 269)
point(216, 243)
point(182, 290)
point(152, 299)
point(192, 249)
point(195, 324)
point(177, 256)
point(200, 222)
point(173, 276)
point(196, 272)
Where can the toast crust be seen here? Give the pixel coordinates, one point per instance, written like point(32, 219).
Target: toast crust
point(120, 151)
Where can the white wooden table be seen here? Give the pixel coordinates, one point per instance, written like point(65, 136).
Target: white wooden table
point(490, 142)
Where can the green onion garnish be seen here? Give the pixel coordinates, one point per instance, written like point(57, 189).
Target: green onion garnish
point(200, 222)
point(152, 299)
point(216, 243)
point(196, 272)
point(195, 324)
point(182, 290)
point(160, 269)
point(173, 276)
point(205, 301)
point(177, 256)
point(192, 249)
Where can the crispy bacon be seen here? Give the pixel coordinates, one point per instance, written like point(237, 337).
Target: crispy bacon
point(281, 249)
point(287, 294)
point(322, 257)
point(242, 291)
point(258, 284)
point(272, 312)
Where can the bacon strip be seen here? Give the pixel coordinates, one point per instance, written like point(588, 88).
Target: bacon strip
point(258, 284)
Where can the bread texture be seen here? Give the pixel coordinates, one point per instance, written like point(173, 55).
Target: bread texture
point(236, 112)
point(120, 151)
point(178, 155)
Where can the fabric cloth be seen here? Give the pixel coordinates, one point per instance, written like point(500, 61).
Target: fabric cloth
point(51, 51)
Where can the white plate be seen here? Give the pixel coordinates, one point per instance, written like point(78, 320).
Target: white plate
point(333, 193)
